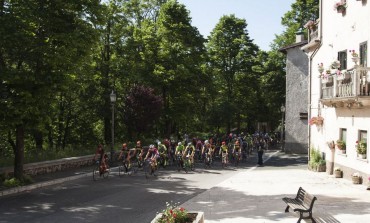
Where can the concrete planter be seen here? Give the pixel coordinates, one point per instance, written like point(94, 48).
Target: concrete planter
point(362, 156)
point(338, 174)
point(198, 219)
point(356, 180)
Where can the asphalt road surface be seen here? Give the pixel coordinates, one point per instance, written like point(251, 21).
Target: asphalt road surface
point(126, 198)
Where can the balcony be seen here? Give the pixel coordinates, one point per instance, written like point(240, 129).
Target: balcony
point(350, 90)
point(313, 37)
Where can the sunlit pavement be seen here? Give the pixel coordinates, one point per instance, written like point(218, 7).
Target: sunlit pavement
point(255, 195)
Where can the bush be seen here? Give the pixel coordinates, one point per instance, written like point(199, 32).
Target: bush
point(14, 182)
point(316, 160)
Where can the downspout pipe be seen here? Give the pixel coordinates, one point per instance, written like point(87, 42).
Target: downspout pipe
point(310, 78)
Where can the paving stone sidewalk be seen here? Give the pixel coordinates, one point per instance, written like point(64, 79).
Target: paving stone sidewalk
point(256, 195)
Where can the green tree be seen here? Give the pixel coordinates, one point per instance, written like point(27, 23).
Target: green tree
point(232, 55)
point(273, 82)
point(42, 43)
point(178, 72)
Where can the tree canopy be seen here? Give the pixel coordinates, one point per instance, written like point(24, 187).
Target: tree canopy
point(60, 60)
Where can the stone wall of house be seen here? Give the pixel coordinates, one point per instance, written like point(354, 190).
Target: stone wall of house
point(296, 130)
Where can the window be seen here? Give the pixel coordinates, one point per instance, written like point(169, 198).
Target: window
point(343, 134)
point(362, 135)
point(342, 58)
point(362, 144)
point(363, 54)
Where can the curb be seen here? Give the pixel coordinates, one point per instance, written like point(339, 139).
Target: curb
point(40, 185)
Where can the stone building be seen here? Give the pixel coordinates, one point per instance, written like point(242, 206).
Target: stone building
point(296, 131)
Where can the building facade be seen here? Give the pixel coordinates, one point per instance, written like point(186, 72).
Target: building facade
point(339, 89)
point(296, 134)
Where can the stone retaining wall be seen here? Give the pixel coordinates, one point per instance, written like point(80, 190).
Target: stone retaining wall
point(34, 169)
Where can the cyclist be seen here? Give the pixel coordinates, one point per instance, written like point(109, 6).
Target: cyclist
point(125, 155)
point(207, 153)
point(152, 155)
point(162, 149)
point(102, 158)
point(179, 152)
point(190, 150)
point(224, 151)
point(138, 150)
point(198, 150)
point(237, 149)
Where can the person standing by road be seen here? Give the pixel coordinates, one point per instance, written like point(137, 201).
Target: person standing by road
point(260, 151)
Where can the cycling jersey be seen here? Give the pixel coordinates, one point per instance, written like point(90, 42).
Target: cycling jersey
point(162, 149)
point(237, 147)
point(190, 149)
point(224, 148)
point(179, 149)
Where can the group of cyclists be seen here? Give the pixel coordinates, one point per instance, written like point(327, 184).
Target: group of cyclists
point(230, 148)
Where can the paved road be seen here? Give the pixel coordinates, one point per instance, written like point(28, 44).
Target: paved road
point(248, 194)
point(118, 199)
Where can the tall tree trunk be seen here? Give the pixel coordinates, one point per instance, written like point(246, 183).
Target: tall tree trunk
point(60, 120)
point(66, 129)
point(50, 137)
point(19, 152)
point(39, 140)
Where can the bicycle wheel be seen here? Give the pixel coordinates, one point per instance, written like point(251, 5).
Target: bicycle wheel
point(146, 168)
point(96, 172)
point(121, 169)
point(106, 172)
point(187, 165)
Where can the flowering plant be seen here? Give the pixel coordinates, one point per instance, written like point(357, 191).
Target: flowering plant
point(337, 169)
point(341, 144)
point(356, 175)
point(173, 214)
point(353, 53)
point(316, 121)
point(361, 147)
point(335, 64)
point(340, 6)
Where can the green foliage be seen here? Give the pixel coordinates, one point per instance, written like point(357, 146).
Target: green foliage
point(59, 61)
point(341, 144)
point(361, 147)
point(316, 159)
point(14, 182)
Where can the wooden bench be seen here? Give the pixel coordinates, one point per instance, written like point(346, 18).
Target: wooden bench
point(303, 203)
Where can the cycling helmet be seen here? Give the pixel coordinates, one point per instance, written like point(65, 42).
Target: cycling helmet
point(179, 143)
point(189, 144)
point(138, 142)
point(159, 143)
point(206, 142)
point(151, 146)
point(124, 145)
